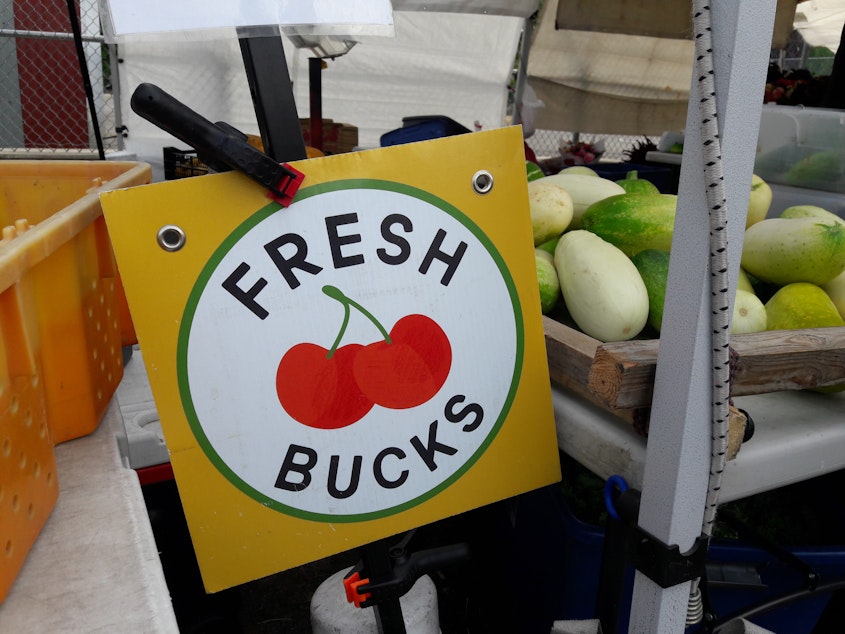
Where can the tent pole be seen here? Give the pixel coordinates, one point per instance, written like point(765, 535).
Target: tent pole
point(678, 458)
point(522, 67)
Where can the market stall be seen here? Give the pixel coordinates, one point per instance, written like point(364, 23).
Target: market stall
point(673, 464)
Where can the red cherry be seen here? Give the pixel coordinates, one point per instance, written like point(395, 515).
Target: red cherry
point(410, 369)
point(319, 390)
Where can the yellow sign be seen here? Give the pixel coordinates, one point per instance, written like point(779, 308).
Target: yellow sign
point(368, 360)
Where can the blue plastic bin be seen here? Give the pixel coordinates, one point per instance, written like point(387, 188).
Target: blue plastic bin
point(558, 559)
point(422, 128)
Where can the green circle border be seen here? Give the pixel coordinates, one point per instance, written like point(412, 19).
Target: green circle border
point(223, 250)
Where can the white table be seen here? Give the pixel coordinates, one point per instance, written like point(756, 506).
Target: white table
point(797, 436)
point(94, 566)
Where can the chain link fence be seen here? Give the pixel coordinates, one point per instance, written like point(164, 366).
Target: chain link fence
point(798, 55)
point(44, 107)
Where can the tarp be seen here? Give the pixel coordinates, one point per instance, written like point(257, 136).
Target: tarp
point(820, 22)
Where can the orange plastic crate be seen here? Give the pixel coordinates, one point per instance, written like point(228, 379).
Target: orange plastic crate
point(63, 323)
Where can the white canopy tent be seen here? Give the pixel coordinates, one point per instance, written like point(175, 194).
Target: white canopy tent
point(456, 58)
point(448, 57)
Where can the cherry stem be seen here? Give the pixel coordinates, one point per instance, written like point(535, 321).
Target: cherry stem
point(336, 293)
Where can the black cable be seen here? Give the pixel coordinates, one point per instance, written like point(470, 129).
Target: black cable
point(86, 79)
point(777, 601)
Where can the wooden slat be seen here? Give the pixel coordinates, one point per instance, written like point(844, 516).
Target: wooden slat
point(570, 354)
point(622, 373)
point(789, 360)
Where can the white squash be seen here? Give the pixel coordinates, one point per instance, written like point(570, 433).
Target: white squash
point(835, 289)
point(749, 314)
point(602, 289)
point(786, 250)
point(584, 190)
point(550, 207)
point(811, 211)
point(579, 169)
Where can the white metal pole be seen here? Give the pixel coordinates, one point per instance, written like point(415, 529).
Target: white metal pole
point(522, 68)
point(678, 452)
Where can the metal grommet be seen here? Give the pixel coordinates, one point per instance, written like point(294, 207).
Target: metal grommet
point(170, 238)
point(482, 182)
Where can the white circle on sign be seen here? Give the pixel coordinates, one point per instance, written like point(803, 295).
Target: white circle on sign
point(352, 355)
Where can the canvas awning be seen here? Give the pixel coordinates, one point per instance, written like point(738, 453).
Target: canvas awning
point(615, 68)
point(607, 83)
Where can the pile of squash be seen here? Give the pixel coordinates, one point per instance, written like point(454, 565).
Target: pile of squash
point(603, 249)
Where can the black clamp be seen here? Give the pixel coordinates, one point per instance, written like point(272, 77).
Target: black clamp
point(666, 565)
point(219, 145)
point(378, 579)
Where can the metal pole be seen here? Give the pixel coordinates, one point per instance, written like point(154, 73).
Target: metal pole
point(315, 92)
point(48, 35)
point(272, 96)
point(114, 76)
point(522, 67)
point(377, 563)
point(678, 452)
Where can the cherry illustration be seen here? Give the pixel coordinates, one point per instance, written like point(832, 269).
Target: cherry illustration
point(333, 388)
point(316, 386)
point(408, 367)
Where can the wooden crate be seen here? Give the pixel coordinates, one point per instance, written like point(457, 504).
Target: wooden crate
point(337, 137)
point(619, 376)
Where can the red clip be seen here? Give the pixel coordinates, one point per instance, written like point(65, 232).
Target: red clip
point(351, 584)
point(288, 186)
